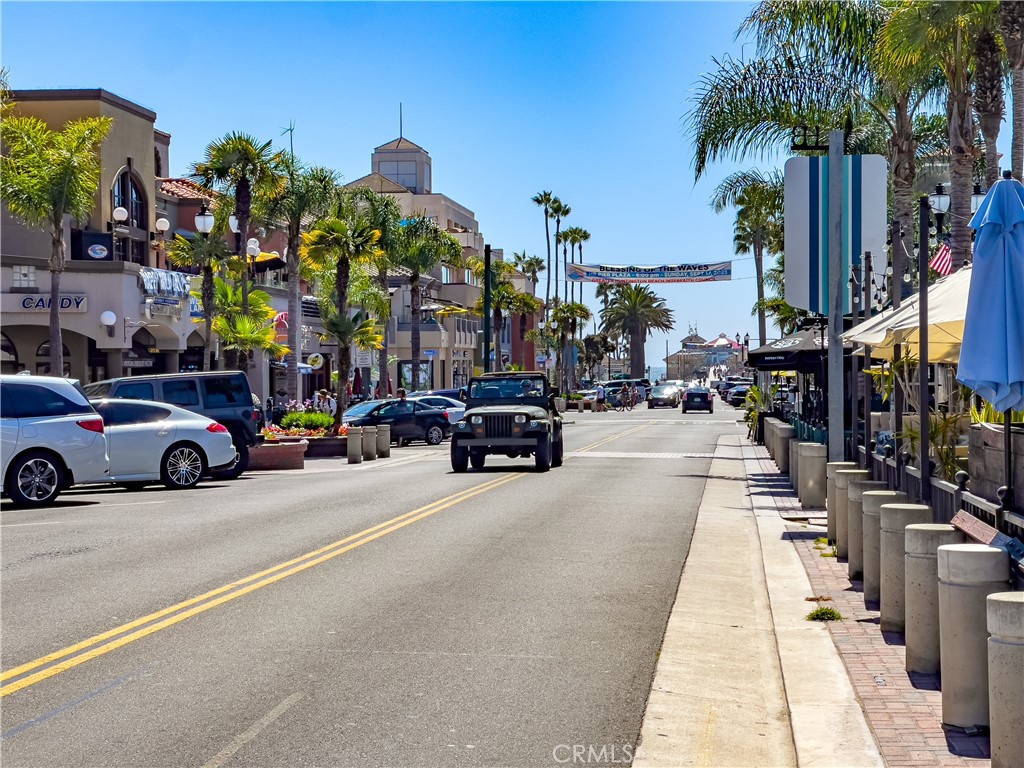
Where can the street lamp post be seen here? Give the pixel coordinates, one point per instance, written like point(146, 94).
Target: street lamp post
point(204, 225)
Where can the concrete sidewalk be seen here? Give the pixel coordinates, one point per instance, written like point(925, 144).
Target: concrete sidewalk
point(743, 679)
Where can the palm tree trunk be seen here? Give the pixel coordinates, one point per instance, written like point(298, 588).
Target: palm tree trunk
point(522, 338)
point(497, 321)
point(903, 159)
point(341, 278)
point(961, 144)
point(382, 354)
point(414, 284)
point(1017, 150)
point(558, 227)
point(762, 325)
point(547, 239)
point(56, 268)
point(243, 204)
point(294, 317)
point(206, 289)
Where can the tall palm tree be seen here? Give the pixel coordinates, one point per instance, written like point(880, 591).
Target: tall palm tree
point(543, 200)
point(634, 311)
point(423, 247)
point(385, 214)
point(758, 199)
point(503, 297)
point(1011, 25)
point(305, 197)
point(524, 305)
point(989, 103)
point(582, 236)
point(937, 34)
point(244, 166)
point(568, 318)
point(573, 236)
point(207, 253)
point(335, 245)
point(558, 211)
point(531, 266)
point(46, 175)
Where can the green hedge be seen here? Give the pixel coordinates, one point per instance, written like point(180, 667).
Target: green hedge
point(312, 420)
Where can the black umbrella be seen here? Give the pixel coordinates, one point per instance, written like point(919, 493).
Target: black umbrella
point(801, 351)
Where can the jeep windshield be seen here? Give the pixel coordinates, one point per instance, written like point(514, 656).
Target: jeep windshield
point(498, 388)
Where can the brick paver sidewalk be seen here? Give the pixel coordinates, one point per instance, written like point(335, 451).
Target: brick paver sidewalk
point(904, 712)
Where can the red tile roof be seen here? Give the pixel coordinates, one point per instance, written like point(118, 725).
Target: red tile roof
point(186, 189)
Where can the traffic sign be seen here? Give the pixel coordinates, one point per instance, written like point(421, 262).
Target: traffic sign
point(430, 352)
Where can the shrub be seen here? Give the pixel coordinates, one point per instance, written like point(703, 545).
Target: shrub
point(312, 420)
point(824, 613)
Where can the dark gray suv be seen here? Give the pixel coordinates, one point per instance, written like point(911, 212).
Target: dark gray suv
point(223, 396)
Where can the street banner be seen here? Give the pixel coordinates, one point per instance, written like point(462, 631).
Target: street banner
point(865, 228)
point(666, 273)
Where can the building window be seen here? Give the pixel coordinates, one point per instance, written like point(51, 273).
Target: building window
point(403, 173)
point(134, 245)
point(24, 276)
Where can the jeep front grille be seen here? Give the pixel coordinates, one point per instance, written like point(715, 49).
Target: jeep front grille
point(498, 424)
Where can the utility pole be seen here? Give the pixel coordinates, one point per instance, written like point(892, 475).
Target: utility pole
point(487, 308)
point(836, 415)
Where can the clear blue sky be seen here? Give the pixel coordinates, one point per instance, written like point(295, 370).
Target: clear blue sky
point(584, 99)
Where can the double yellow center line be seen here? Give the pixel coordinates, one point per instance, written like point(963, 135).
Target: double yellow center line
point(616, 436)
point(98, 645)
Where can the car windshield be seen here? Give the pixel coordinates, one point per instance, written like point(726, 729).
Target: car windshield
point(362, 409)
point(698, 390)
point(498, 388)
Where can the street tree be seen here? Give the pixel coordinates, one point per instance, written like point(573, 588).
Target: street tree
point(543, 200)
point(207, 253)
point(634, 312)
point(558, 210)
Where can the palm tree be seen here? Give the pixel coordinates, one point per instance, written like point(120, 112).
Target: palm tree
point(568, 318)
point(423, 247)
point(244, 334)
point(758, 199)
point(337, 243)
point(503, 297)
point(205, 253)
point(582, 236)
point(634, 312)
point(385, 214)
point(46, 175)
point(1011, 24)
point(305, 197)
point(988, 84)
point(543, 200)
point(229, 308)
point(558, 211)
point(525, 306)
point(531, 266)
point(574, 236)
point(241, 164)
point(357, 329)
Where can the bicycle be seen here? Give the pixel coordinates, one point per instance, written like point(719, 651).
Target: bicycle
point(624, 403)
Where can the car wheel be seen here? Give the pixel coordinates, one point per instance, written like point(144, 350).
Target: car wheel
point(182, 466)
point(684, 409)
point(711, 410)
point(34, 479)
point(435, 435)
point(542, 459)
point(477, 458)
point(556, 453)
point(460, 457)
point(238, 467)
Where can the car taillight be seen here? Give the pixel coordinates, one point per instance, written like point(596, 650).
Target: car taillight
point(93, 425)
point(216, 427)
point(445, 414)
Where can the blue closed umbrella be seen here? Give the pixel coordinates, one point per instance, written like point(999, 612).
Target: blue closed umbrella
point(992, 353)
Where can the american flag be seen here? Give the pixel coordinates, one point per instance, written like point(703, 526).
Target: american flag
point(942, 261)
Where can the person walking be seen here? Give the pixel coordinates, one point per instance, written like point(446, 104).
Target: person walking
point(641, 393)
point(325, 403)
point(600, 398)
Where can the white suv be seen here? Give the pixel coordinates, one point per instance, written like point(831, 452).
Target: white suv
point(50, 439)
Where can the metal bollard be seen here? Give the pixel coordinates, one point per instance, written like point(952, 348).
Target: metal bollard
point(355, 445)
point(1006, 678)
point(855, 523)
point(893, 522)
point(384, 441)
point(843, 478)
point(968, 574)
point(369, 440)
point(922, 593)
point(830, 492)
point(871, 502)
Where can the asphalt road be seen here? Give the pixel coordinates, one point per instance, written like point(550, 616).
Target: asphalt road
point(385, 614)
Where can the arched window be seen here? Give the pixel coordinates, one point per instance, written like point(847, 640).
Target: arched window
point(44, 350)
point(128, 194)
point(8, 355)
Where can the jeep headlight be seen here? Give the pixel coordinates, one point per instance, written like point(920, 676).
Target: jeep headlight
point(520, 419)
point(477, 419)
point(534, 424)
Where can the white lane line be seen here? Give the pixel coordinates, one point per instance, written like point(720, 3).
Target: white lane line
point(252, 732)
point(21, 525)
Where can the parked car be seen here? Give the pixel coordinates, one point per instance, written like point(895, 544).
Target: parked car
point(223, 396)
point(664, 394)
point(409, 419)
point(454, 408)
point(698, 399)
point(151, 442)
point(737, 395)
point(50, 439)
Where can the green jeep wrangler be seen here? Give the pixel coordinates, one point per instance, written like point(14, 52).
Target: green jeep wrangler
point(511, 414)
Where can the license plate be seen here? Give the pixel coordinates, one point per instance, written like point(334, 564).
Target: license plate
point(698, 399)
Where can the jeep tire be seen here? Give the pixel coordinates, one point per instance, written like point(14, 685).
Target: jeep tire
point(556, 452)
point(460, 457)
point(477, 457)
point(542, 458)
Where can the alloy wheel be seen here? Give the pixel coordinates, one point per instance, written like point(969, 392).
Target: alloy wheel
point(184, 466)
point(38, 479)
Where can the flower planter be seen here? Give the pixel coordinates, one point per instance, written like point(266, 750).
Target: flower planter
point(574, 405)
point(320, 447)
point(274, 454)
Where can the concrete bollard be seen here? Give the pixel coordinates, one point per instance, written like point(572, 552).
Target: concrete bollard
point(812, 458)
point(383, 441)
point(830, 492)
point(843, 478)
point(369, 440)
point(871, 502)
point(855, 524)
point(893, 521)
point(355, 445)
point(968, 574)
point(769, 436)
point(1006, 678)
point(785, 438)
point(794, 464)
point(921, 607)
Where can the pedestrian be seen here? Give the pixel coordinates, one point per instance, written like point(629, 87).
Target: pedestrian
point(325, 403)
point(600, 398)
point(641, 393)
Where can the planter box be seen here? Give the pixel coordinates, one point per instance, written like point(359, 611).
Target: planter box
point(574, 405)
point(320, 447)
point(985, 462)
point(278, 455)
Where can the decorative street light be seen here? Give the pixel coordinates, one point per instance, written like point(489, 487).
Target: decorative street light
point(976, 197)
point(204, 221)
point(938, 201)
